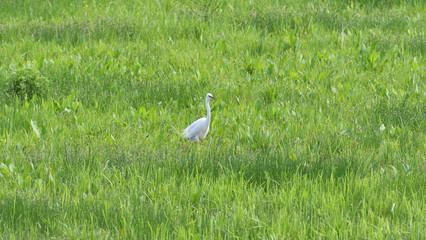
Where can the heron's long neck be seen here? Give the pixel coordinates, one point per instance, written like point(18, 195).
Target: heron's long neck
point(208, 111)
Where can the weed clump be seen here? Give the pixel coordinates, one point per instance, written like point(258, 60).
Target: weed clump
point(26, 82)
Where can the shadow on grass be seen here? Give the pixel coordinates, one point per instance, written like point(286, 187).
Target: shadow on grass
point(35, 218)
point(402, 114)
point(259, 169)
point(26, 215)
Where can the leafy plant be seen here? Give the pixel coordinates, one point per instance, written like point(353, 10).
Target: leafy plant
point(372, 59)
point(26, 82)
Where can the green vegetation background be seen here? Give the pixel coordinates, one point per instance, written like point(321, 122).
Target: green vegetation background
point(329, 143)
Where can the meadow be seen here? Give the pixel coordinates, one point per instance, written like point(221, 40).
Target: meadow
point(318, 130)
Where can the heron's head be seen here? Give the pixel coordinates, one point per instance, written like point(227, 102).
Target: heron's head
point(209, 97)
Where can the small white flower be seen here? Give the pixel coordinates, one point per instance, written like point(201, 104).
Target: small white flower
point(382, 128)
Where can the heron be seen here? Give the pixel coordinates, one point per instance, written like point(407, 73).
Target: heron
point(198, 130)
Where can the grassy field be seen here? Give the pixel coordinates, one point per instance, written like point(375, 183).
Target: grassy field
point(319, 129)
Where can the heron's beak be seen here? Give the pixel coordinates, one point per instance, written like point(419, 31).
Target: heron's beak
point(213, 98)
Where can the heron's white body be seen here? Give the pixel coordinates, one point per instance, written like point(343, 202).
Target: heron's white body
point(198, 130)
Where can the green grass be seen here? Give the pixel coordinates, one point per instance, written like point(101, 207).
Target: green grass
point(334, 148)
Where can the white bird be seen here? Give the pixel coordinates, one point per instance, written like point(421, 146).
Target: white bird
point(198, 130)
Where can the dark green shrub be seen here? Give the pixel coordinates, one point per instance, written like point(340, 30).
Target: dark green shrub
point(27, 82)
